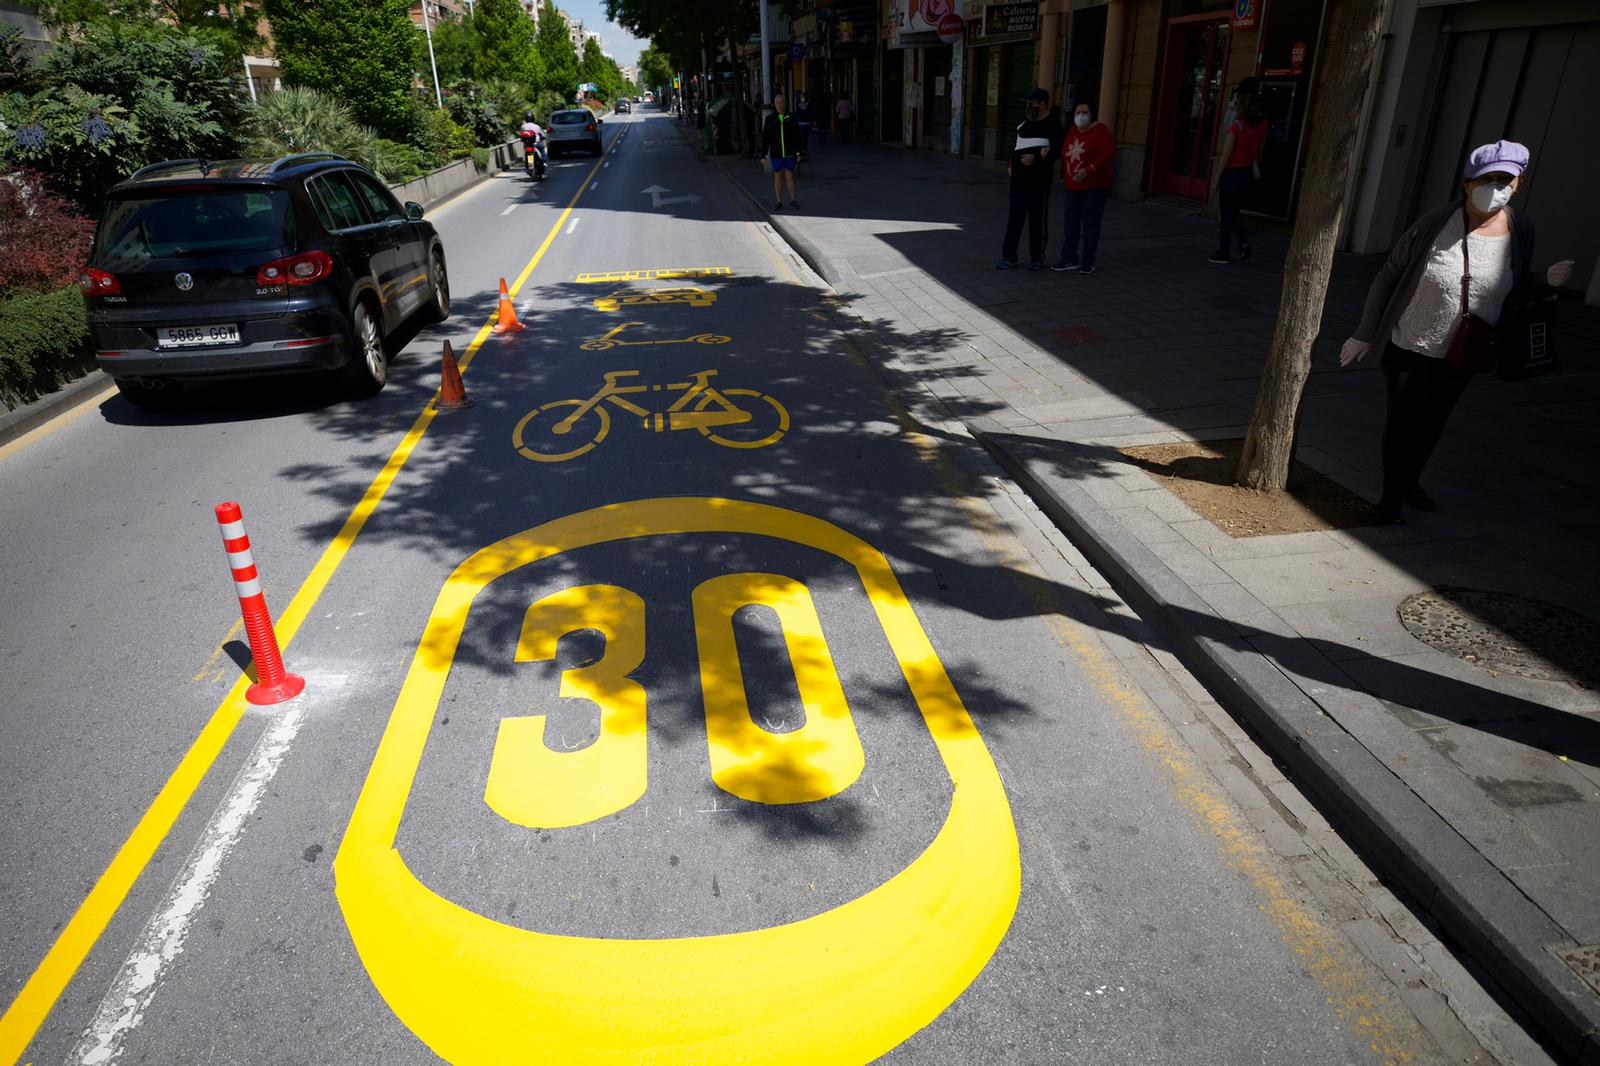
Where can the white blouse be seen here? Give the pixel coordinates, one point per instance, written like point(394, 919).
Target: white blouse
point(1429, 322)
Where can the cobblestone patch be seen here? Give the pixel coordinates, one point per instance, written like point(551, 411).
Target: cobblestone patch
point(1506, 633)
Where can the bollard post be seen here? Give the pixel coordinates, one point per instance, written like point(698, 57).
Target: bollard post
point(274, 683)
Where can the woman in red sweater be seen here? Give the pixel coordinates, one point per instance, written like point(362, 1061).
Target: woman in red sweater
point(1232, 184)
point(1086, 169)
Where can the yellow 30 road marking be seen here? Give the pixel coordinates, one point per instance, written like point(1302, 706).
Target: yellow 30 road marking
point(843, 986)
point(45, 985)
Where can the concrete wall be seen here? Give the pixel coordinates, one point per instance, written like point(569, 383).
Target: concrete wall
point(446, 181)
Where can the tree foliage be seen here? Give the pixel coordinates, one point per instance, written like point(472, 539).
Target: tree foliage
point(557, 59)
point(236, 22)
point(365, 52)
point(655, 69)
point(43, 239)
point(114, 96)
point(600, 70)
point(505, 43)
point(680, 30)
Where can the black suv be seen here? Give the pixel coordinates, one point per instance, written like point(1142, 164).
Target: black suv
point(244, 267)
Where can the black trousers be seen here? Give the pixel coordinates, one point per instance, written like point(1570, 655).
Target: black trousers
point(1232, 190)
point(1422, 393)
point(1028, 202)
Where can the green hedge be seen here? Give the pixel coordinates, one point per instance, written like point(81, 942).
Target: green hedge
point(44, 341)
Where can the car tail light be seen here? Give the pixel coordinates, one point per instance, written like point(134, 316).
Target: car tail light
point(307, 268)
point(590, 127)
point(98, 283)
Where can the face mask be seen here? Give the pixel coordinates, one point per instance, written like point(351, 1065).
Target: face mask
point(1490, 197)
point(1081, 121)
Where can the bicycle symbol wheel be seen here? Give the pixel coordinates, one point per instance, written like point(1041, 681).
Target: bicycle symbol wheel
point(773, 422)
point(536, 438)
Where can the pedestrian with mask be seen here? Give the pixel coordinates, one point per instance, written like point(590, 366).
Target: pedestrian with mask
point(1233, 182)
point(1086, 168)
point(1031, 159)
point(1432, 311)
point(781, 136)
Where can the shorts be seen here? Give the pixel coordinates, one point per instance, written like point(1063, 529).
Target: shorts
point(782, 162)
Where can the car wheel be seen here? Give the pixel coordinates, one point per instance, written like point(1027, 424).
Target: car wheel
point(367, 369)
point(153, 394)
point(438, 308)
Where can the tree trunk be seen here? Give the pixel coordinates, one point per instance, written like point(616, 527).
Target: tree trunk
point(1347, 59)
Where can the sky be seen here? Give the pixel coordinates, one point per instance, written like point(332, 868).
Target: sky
point(623, 47)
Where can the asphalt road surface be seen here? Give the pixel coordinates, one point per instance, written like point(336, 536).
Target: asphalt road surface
point(676, 702)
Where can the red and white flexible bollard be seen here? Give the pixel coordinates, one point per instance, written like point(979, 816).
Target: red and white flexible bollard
point(274, 683)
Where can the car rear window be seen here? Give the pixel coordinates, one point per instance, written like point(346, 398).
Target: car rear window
point(569, 118)
point(196, 222)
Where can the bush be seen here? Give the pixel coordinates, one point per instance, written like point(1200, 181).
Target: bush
point(44, 341)
point(297, 119)
point(114, 96)
point(480, 159)
point(442, 140)
point(546, 103)
point(43, 239)
point(394, 162)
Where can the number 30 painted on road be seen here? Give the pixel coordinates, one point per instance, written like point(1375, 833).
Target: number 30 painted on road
point(843, 986)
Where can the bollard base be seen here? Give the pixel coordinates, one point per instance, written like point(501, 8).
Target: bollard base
point(287, 688)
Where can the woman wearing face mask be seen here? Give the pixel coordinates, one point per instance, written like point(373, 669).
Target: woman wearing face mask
point(1086, 168)
point(1414, 310)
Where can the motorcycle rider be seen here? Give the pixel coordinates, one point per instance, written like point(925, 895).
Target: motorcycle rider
point(532, 135)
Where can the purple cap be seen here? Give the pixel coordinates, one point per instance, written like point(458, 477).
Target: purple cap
point(1504, 157)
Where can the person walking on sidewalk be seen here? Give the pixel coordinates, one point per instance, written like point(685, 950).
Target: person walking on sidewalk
point(1471, 255)
point(845, 112)
point(784, 142)
point(1232, 184)
point(1030, 182)
point(1086, 168)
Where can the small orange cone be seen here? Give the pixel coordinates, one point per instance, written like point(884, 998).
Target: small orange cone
point(452, 393)
point(506, 317)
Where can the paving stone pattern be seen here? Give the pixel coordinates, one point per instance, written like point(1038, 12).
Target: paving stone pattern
point(1161, 346)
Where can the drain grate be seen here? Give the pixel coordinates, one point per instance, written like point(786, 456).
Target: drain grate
point(1584, 961)
point(1506, 633)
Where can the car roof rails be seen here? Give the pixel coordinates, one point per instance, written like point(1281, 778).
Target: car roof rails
point(303, 157)
point(165, 164)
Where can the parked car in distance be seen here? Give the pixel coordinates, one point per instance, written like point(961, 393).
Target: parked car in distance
point(623, 107)
point(256, 266)
point(573, 128)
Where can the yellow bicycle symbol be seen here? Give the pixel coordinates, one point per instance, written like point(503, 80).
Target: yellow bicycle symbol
point(546, 435)
point(609, 339)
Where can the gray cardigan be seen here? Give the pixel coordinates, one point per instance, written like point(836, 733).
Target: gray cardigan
point(1395, 284)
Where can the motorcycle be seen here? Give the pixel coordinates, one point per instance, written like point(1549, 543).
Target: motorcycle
point(534, 154)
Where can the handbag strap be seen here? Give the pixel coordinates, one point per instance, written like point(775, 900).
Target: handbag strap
point(1466, 263)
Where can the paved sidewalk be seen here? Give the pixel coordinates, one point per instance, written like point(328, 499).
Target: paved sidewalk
point(1058, 372)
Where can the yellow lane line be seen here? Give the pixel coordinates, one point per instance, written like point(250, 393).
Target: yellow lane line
point(44, 986)
point(59, 422)
point(216, 653)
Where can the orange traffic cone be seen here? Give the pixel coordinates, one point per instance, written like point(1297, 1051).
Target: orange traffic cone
point(506, 317)
point(452, 393)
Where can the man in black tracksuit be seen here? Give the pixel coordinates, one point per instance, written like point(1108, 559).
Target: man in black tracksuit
point(1032, 162)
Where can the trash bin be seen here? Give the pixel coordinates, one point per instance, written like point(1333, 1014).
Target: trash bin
point(719, 126)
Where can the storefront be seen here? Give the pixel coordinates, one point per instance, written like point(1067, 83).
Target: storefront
point(1001, 60)
point(924, 35)
point(1205, 54)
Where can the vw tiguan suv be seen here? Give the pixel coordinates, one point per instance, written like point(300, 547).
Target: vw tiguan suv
point(247, 267)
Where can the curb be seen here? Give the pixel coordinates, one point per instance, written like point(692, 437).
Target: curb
point(803, 247)
point(1453, 882)
point(29, 417)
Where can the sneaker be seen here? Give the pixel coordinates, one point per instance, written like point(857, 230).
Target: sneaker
point(1065, 265)
point(1420, 500)
point(1004, 264)
point(1089, 269)
point(795, 204)
point(1220, 257)
point(778, 206)
point(1034, 264)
